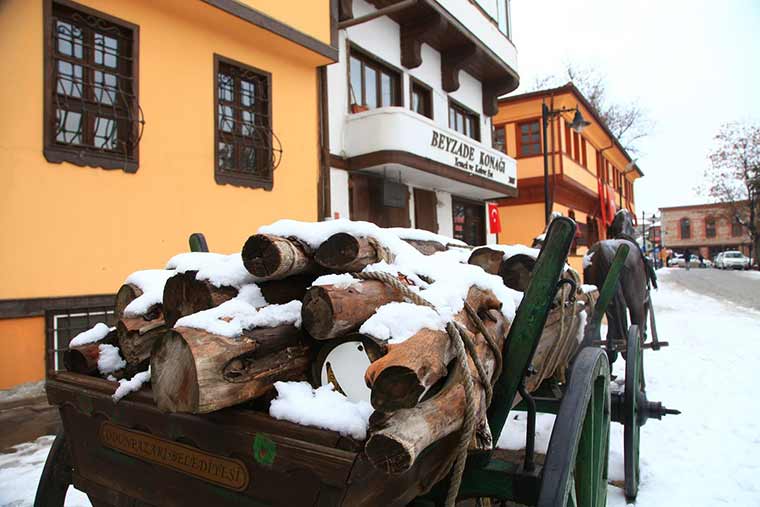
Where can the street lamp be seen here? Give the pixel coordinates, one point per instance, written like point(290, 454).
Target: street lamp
point(578, 124)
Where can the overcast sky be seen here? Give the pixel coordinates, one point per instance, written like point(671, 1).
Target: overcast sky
point(692, 64)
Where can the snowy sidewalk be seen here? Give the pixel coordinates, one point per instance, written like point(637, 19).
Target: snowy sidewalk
point(707, 456)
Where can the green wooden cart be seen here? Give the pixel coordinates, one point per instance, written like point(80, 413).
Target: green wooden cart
point(132, 454)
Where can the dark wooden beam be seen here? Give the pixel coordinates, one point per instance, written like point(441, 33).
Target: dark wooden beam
point(491, 92)
point(413, 35)
point(452, 61)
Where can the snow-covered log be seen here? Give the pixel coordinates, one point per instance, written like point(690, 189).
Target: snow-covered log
point(184, 295)
point(330, 311)
point(270, 257)
point(346, 253)
point(125, 295)
point(136, 335)
point(397, 438)
point(411, 367)
point(198, 372)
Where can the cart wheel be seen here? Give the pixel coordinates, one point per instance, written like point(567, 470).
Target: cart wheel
point(575, 470)
point(632, 421)
point(56, 475)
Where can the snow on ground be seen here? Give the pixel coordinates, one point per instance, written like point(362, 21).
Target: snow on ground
point(708, 455)
point(20, 472)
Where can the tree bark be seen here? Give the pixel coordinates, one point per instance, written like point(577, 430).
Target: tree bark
point(126, 294)
point(330, 312)
point(487, 258)
point(185, 295)
point(397, 438)
point(136, 336)
point(82, 359)
point(198, 372)
point(271, 257)
point(346, 253)
point(410, 368)
point(426, 247)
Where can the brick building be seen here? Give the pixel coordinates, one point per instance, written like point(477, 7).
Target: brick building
point(706, 229)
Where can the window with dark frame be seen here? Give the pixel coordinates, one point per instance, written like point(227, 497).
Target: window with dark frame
point(528, 138)
point(421, 98)
point(710, 227)
point(500, 138)
point(685, 226)
point(92, 115)
point(63, 325)
point(372, 84)
point(736, 228)
point(463, 120)
point(243, 151)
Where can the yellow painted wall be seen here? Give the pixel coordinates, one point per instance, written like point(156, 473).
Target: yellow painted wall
point(71, 230)
point(23, 346)
point(309, 16)
point(521, 223)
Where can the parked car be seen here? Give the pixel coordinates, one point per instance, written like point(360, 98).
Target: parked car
point(731, 259)
point(676, 261)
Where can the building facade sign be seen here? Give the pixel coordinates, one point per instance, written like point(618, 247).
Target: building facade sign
point(472, 158)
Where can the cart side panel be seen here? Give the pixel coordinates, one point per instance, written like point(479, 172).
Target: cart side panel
point(281, 470)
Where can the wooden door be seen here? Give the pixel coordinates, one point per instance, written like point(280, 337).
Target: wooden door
point(366, 202)
point(425, 210)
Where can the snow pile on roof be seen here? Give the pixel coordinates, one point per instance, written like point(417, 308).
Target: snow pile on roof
point(243, 312)
point(92, 335)
point(151, 282)
point(109, 359)
point(342, 281)
point(323, 407)
point(132, 385)
point(422, 235)
point(396, 322)
point(452, 279)
point(217, 269)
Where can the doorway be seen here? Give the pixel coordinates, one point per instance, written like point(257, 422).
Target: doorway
point(469, 221)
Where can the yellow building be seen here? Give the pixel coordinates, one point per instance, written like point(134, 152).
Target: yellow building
point(129, 125)
point(581, 167)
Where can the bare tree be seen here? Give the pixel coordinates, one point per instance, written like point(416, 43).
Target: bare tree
point(628, 122)
point(733, 177)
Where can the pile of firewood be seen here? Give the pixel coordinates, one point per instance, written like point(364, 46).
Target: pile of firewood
point(416, 388)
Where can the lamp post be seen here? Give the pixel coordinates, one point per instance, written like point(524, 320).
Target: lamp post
point(578, 124)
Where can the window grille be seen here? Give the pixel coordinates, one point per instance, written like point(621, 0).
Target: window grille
point(63, 325)
point(92, 112)
point(247, 150)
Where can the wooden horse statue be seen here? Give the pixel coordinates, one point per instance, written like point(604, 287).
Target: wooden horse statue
point(632, 295)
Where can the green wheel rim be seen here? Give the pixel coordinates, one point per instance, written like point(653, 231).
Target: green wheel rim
point(634, 394)
point(575, 471)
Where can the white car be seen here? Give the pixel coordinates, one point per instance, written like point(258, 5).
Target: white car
point(732, 259)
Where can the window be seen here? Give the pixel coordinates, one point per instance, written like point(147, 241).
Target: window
point(421, 98)
point(685, 227)
point(736, 228)
point(243, 146)
point(710, 227)
point(63, 325)
point(372, 84)
point(92, 116)
point(528, 139)
point(500, 139)
point(584, 160)
point(568, 137)
point(463, 120)
point(576, 147)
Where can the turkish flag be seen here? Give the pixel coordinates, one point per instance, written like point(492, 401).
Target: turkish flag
point(494, 223)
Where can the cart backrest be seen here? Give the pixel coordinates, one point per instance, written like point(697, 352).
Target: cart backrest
point(529, 321)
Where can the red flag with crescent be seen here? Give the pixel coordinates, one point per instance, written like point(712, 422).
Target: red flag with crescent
point(494, 223)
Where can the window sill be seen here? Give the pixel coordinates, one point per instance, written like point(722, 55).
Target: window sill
point(84, 158)
point(224, 178)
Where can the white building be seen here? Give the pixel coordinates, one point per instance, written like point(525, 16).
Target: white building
point(409, 113)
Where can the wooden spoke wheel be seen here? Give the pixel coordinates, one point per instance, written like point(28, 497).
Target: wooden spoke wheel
point(575, 470)
point(634, 399)
point(56, 475)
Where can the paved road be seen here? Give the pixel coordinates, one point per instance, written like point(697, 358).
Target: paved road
point(738, 287)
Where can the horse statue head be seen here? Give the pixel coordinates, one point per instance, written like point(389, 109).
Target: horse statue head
point(622, 225)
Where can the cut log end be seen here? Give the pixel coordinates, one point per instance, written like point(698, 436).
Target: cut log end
point(339, 250)
point(126, 294)
point(396, 387)
point(317, 313)
point(175, 383)
point(388, 455)
point(82, 359)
